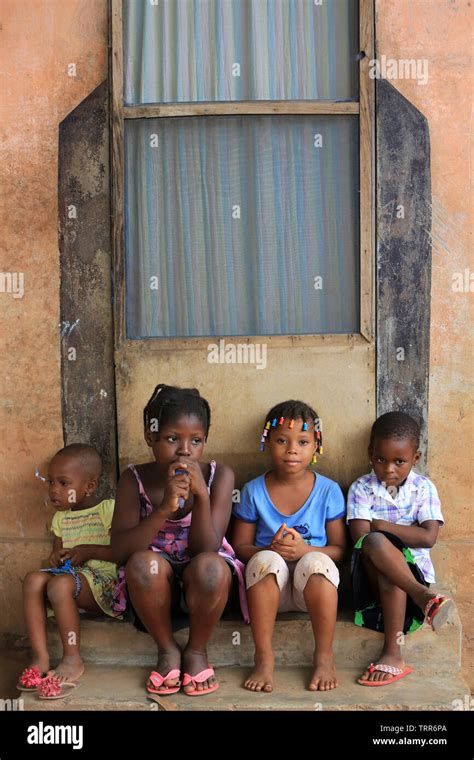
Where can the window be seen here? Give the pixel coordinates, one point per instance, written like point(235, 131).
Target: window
point(242, 177)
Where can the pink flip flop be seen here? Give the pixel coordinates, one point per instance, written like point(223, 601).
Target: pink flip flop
point(199, 678)
point(437, 611)
point(30, 679)
point(52, 688)
point(396, 674)
point(158, 680)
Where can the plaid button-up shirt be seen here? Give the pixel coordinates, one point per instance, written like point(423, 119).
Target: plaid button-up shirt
point(415, 502)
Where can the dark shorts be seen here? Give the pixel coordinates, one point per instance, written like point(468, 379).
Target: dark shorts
point(368, 612)
point(179, 616)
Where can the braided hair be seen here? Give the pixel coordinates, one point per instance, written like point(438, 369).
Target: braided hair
point(168, 402)
point(293, 410)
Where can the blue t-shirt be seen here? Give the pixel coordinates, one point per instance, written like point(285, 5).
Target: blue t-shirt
point(324, 503)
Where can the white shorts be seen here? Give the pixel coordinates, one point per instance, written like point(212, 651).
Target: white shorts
point(291, 579)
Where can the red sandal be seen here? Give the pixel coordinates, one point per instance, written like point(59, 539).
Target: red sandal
point(396, 674)
point(52, 687)
point(30, 679)
point(437, 611)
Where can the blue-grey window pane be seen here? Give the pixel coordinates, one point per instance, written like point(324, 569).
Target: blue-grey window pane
point(230, 50)
point(237, 218)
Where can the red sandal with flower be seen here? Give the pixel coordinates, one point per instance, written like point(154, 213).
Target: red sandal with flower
point(30, 679)
point(52, 687)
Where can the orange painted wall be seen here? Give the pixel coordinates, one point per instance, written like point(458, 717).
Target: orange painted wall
point(39, 40)
point(440, 31)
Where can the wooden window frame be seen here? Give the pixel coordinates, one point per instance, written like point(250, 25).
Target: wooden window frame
point(364, 108)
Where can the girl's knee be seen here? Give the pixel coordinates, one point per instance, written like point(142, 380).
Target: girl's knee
point(319, 565)
point(146, 568)
point(34, 581)
point(263, 564)
point(209, 571)
point(60, 587)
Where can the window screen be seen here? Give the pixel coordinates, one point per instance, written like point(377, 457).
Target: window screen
point(219, 50)
point(241, 225)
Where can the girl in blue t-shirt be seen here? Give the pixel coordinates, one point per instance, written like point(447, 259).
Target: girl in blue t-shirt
point(289, 529)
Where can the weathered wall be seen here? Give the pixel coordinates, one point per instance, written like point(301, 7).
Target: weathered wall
point(87, 335)
point(39, 41)
point(440, 32)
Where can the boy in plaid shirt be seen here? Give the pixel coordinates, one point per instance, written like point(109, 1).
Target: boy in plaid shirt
point(394, 515)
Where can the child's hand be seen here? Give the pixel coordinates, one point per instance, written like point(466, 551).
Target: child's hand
point(290, 547)
point(177, 487)
point(197, 484)
point(57, 557)
point(78, 554)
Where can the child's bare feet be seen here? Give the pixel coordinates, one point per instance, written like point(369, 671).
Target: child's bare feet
point(167, 661)
point(324, 676)
point(42, 663)
point(193, 663)
point(261, 679)
point(70, 668)
point(424, 597)
point(396, 661)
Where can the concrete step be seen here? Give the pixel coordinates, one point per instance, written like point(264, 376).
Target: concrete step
point(110, 642)
point(122, 688)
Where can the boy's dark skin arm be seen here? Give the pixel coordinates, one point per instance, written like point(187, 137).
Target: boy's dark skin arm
point(422, 536)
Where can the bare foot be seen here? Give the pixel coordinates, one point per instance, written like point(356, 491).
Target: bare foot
point(193, 663)
point(386, 659)
point(168, 660)
point(69, 669)
point(42, 663)
point(261, 679)
point(324, 676)
point(424, 597)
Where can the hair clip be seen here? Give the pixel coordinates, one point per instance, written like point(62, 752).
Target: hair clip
point(281, 420)
point(264, 434)
point(262, 447)
point(314, 459)
point(305, 425)
point(292, 422)
point(321, 450)
point(274, 423)
point(267, 426)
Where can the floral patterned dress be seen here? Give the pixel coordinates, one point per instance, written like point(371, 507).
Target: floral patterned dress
point(172, 540)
